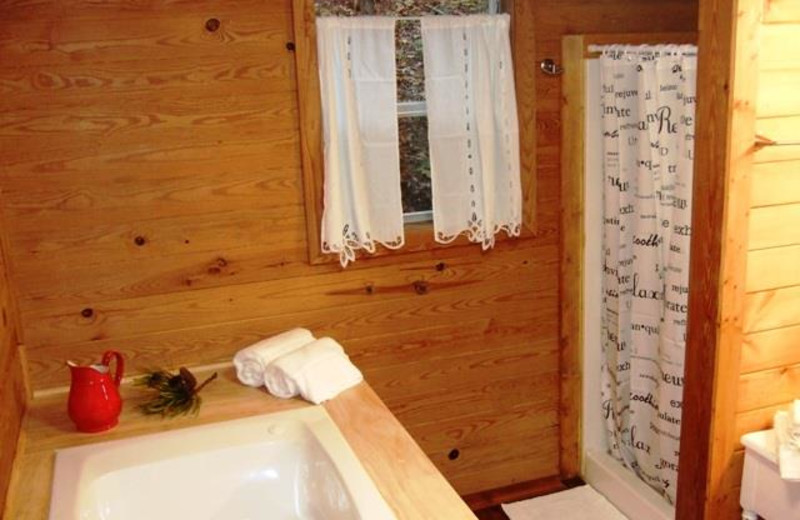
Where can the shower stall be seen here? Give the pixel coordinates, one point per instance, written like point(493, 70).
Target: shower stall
point(617, 458)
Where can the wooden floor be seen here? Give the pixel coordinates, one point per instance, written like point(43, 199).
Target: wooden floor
point(491, 513)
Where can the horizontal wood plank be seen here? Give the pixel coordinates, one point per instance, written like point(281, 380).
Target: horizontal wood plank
point(105, 244)
point(154, 36)
point(528, 456)
point(771, 349)
point(771, 309)
point(142, 119)
point(451, 382)
point(26, 10)
point(772, 227)
point(780, 128)
point(773, 268)
point(50, 198)
point(781, 11)
point(776, 45)
point(775, 183)
point(777, 93)
point(768, 387)
point(49, 85)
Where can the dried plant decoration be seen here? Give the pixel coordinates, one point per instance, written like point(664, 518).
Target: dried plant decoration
point(178, 394)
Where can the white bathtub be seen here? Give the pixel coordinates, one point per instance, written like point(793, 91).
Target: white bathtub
point(281, 466)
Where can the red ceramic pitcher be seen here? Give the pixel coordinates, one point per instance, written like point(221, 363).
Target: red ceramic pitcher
point(94, 401)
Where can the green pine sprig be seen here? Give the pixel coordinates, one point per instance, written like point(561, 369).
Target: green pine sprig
point(178, 394)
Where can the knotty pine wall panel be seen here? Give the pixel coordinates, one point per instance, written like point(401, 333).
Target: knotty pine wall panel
point(769, 376)
point(151, 181)
point(12, 388)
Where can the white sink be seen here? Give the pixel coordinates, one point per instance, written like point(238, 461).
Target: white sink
point(281, 466)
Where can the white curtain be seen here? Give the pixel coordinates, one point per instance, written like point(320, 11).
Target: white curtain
point(472, 127)
point(359, 112)
point(648, 105)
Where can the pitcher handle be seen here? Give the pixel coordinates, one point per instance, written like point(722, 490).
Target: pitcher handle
point(107, 358)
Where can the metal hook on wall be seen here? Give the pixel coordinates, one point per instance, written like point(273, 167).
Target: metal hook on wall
point(551, 68)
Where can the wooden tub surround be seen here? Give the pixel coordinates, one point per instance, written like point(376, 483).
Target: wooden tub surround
point(408, 480)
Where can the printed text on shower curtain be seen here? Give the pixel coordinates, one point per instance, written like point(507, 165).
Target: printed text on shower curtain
point(648, 104)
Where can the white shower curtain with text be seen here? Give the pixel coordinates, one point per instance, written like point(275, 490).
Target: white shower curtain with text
point(648, 105)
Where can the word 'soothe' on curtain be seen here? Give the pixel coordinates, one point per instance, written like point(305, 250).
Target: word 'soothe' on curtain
point(473, 131)
point(363, 205)
point(648, 106)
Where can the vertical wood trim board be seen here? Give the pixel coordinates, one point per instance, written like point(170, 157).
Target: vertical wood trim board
point(523, 45)
point(310, 108)
point(725, 144)
point(572, 246)
point(13, 392)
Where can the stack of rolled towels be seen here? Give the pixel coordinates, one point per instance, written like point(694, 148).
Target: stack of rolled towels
point(296, 363)
point(787, 433)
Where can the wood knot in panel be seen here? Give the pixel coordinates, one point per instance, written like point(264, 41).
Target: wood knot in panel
point(212, 25)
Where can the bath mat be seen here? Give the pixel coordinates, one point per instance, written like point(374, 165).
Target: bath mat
point(580, 503)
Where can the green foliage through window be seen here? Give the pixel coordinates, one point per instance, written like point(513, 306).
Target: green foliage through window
point(415, 169)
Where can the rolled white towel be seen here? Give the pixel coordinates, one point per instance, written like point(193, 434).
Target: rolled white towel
point(792, 428)
point(795, 416)
point(788, 447)
point(319, 371)
point(251, 362)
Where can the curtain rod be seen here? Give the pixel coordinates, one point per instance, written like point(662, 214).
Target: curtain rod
point(601, 48)
point(414, 18)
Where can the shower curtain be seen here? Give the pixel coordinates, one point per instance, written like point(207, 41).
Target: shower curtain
point(648, 104)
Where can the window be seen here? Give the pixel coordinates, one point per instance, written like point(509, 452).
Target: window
point(415, 169)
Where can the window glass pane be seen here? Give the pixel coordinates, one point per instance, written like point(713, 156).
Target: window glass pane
point(400, 7)
point(415, 166)
point(410, 78)
point(415, 169)
point(335, 8)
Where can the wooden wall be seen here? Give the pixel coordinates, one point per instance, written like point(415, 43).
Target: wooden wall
point(757, 365)
point(770, 360)
point(152, 188)
point(770, 364)
point(13, 394)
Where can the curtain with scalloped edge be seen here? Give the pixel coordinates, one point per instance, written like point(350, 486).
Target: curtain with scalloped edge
point(362, 202)
point(648, 107)
point(473, 131)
